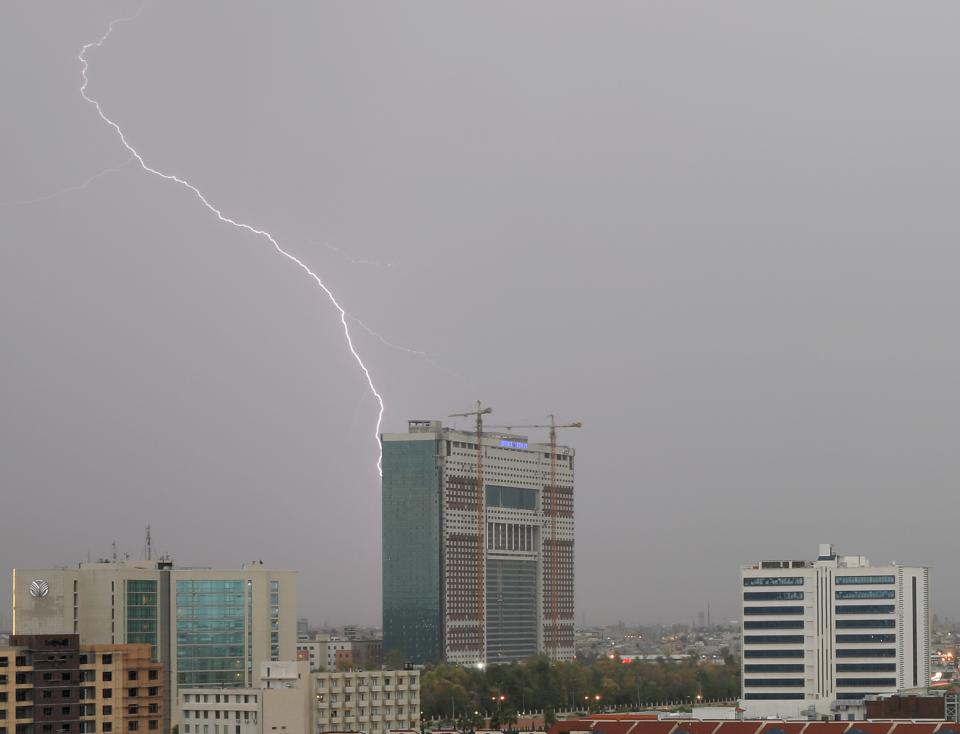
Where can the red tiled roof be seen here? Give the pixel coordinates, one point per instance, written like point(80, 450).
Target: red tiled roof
point(870, 727)
point(695, 727)
point(740, 727)
point(790, 727)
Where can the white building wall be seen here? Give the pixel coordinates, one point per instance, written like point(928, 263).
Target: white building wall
point(858, 629)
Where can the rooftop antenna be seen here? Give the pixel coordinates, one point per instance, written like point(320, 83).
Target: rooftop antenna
point(149, 548)
point(114, 546)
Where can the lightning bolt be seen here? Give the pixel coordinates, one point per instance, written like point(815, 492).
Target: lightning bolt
point(69, 189)
point(84, 66)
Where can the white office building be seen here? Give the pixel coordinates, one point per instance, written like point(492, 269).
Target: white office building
point(819, 636)
point(279, 704)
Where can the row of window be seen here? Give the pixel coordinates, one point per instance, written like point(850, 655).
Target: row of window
point(767, 624)
point(877, 652)
point(867, 594)
point(773, 682)
point(773, 653)
point(866, 667)
point(773, 639)
point(773, 668)
point(773, 610)
point(865, 682)
point(865, 608)
point(773, 696)
point(773, 581)
point(866, 638)
point(866, 623)
point(864, 580)
point(773, 596)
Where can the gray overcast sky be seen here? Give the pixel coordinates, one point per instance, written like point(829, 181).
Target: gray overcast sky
point(722, 235)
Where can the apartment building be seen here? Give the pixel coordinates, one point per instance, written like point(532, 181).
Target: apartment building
point(51, 684)
point(820, 636)
point(369, 701)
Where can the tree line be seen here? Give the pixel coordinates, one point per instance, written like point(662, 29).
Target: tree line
point(455, 693)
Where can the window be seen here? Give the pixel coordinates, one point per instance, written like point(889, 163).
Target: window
point(773, 610)
point(107, 727)
point(867, 594)
point(131, 675)
point(152, 725)
point(133, 692)
point(48, 676)
point(107, 659)
point(761, 624)
point(65, 710)
point(773, 668)
point(65, 693)
point(65, 676)
point(863, 580)
point(108, 710)
point(106, 676)
point(773, 581)
point(153, 674)
point(132, 725)
point(107, 693)
point(866, 667)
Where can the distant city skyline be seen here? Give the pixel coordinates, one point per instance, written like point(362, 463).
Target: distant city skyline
point(721, 237)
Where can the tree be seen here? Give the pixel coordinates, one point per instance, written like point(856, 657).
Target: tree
point(393, 660)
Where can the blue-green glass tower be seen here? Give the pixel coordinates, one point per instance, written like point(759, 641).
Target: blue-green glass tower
point(412, 621)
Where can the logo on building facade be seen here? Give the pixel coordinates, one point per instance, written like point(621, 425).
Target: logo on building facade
point(39, 588)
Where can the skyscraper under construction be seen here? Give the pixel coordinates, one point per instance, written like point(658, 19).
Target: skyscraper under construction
point(477, 546)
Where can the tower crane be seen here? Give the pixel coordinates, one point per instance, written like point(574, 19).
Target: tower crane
point(554, 497)
point(481, 523)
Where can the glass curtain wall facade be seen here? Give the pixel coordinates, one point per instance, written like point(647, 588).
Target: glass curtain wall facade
point(210, 633)
point(511, 609)
point(412, 622)
point(142, 614)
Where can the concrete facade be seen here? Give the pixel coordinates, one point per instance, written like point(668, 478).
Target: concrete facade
point(288, 699)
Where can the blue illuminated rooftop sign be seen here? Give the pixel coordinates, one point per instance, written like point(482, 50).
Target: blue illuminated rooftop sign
point(513, 444)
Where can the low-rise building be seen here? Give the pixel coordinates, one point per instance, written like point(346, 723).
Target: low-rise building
point(374, 701)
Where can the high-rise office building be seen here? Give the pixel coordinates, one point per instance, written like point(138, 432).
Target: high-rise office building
point(476, 574)
point(207, 627)
point(819, 636)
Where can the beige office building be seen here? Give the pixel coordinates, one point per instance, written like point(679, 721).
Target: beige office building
point(207, 627)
